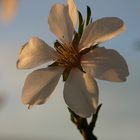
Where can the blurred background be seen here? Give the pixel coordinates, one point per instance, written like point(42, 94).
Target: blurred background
point(119, 117)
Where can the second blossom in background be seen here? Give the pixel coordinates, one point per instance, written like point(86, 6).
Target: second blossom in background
point(7, 9)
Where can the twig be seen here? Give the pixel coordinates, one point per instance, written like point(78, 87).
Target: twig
point(85, 129)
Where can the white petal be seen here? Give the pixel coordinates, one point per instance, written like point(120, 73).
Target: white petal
point(101, 30)
point(105, 64)
point(39, 85)
point(34, 53)
point(72, 11)
point(81, 93)
point(60, 23)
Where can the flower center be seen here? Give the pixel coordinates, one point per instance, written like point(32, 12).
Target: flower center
point(67, 56)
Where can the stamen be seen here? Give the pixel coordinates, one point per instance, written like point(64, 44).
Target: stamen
point(67, 55)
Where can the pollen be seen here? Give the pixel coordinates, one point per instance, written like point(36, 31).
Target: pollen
point(67, 55)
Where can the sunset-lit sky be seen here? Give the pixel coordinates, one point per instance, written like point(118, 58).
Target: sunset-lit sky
point(119, 117)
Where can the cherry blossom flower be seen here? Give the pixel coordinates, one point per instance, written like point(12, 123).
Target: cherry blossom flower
point(78, 59)
point(8, 9)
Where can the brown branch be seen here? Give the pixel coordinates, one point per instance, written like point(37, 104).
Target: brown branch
point(85, 129)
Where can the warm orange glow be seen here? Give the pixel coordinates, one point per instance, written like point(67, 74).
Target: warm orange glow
point(8, 8)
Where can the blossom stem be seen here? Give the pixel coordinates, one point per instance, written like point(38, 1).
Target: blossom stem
point(85, 128)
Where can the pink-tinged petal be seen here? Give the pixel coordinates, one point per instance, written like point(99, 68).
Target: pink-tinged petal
point(72, 11)
point(34, 53)
point(81, 93)
point(39, 85)
point(8, 9)
point(60, 23)
point(101, 30)
point(105, 64)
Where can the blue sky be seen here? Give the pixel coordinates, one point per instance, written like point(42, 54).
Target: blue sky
point(119, 117)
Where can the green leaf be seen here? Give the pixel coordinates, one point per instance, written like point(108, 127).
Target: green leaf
point(80, 18)
point(85, 51)
point(80, 68)
point(66, 73)
point(81, 24)
point(88, 15)
point(94, 46)
point(76, 40)
point(94, 118)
